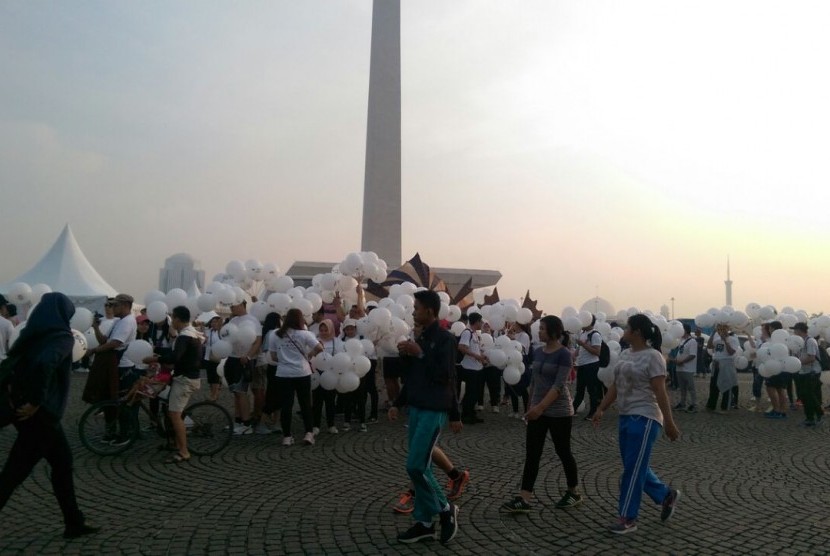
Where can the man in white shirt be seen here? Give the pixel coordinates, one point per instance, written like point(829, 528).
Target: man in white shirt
point(469, 344)
point(113, 372)
point(808, 379)
point(6, 328)
point(239, 367)
point(686, 362)
point(589, 345)
point(724, 346)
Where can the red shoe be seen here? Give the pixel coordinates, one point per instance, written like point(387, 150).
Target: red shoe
point(455, 488)
point(405, 504)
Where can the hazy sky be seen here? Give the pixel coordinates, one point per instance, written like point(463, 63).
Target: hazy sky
point(623, 148)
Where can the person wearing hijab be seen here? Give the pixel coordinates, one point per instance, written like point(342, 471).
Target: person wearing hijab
point(320, 396)
point(39, 390)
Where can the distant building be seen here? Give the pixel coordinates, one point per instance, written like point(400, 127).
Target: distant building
point(181, 271)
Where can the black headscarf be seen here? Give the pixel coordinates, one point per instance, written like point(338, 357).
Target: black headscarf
point(50, 318)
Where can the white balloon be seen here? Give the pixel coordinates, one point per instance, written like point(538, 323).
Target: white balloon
point(606, 375)
point(741, 362)
point(511, 313)
point(457, 328)
point(773, 366)
point(38, 291)
point(236, 269)
point(497, 357)
point(348, 382)
point(329, 380)
point(81, 320)
point(524, 316)
point(825, 377)
point(138, 350)
point(443, 311)
point(368, 347)
point(315, 380)
point(341, 362)
point(279, 302)
point(80, 347)
point(220, 350)
point(380, 317)
point(585, 318)
point(175, 298)
point(572, 324)
point(354, 347)
point(283, 283)
point(229, 332)
point(778, 351)
point(322, 361)
point(91, 339)
point(486, 340)
point(792, 364)
point(156, 312)
point(454, 313)
point(361, 364)
point(315, 299)
point(19, 293)
point(512, 375)
point(569, 312)
point(245, 335)
point(779, 336)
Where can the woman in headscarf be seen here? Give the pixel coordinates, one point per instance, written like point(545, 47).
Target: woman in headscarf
point(320, 396)
point(39, 389)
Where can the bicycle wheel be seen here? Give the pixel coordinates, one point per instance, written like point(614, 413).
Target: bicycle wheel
point(108, 428)
point(209, 428)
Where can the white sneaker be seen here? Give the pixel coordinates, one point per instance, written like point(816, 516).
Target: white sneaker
point(495, 409)
point(288, 441)
point(308, 439)
point(242, 429)
point(188, 422)
point(346, 427)
point(262, 428)
point(479, 407)
point(315, 431)
point(333, 430)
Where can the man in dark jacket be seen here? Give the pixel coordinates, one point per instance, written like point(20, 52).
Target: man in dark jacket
point(39, 390)
point(429, 392)
point(184, 358)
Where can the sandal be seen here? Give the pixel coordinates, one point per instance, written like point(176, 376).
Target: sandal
point(177, 458)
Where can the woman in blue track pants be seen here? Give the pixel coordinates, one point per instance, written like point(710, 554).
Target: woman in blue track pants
point(640, 392)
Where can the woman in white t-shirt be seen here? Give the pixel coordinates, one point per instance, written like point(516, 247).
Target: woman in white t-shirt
point(291, 347)
point(320, 396)
point(639, 389)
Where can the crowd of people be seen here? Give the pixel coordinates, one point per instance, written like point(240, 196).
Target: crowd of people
point(438, 379)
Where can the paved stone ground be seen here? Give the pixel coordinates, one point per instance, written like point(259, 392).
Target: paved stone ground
point(750, 486)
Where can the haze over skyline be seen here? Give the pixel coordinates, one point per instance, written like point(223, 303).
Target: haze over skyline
point(581, 148)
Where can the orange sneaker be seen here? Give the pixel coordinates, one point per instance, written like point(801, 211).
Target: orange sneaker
point(455, 488)
point(405, 504)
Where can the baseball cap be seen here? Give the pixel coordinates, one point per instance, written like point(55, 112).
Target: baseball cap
point(349, 322)
point(123, 298)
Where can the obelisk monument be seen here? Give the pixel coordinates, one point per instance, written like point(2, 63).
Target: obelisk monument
point(382, 185)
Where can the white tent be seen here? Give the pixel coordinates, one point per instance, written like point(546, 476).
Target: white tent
point(65, 269)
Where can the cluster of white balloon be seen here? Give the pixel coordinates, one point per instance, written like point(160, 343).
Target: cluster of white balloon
point(343, 371)
point(501, 351)
point(574, 321)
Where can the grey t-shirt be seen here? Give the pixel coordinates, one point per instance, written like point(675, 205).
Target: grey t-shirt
point(632, 377)
point(551, 370)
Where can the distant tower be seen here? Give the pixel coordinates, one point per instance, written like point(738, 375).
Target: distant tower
point(181, 271)
point(382, 185)
point(728, 283)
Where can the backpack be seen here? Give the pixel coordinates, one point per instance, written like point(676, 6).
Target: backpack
point(604, 352)
point(458, 355)
point(823, 358)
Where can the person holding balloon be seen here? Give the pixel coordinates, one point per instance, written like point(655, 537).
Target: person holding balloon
point(551, 412)
point(332, 345)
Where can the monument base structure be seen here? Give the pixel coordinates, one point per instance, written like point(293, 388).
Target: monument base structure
point(457, 282)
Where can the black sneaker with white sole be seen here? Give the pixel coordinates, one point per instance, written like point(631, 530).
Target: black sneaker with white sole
point(418, 532)
point(670, 504)
point(569, 500)
point(516, 506)
point(449, 524)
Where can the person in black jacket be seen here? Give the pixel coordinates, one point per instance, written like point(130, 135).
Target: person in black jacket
point(429, 392)
point(39, 390)
point(184, 358)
